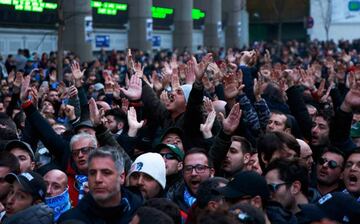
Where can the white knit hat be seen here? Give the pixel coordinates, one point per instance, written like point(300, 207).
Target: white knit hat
point(153, 165)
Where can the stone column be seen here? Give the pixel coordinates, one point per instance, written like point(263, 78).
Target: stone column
point(183, 23)
point(212, 24)
point(140, 22)
point(233, 26)
point(74, 34)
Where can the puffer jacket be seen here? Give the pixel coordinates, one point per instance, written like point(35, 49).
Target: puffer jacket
point(39, 214)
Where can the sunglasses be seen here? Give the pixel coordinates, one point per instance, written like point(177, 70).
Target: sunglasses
point(169, 156)
point(275, 187)
point(84, 151)
point(330, 163)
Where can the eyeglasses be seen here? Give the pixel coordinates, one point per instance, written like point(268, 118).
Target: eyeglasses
point(169, 156)
point(331, 163)
point(275, 187)
point(84, 151)
point(198, 168)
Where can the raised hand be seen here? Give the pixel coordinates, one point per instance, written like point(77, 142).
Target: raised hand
point(232, 121)
point(258, 89)
point(190, 72)
point(124, 104)
point(208, 105)
point(95, 115)
point(175, 81)
point(130, 61)
point(173, 63)
point(70, 112)
point(135, 88)
point(134, 125)
point(207, 126)
point(25, 89)
point(76, 71)
point(72, 92)
point(352, 99)
point(200, 68)
point(232, 85)
point(157, 85)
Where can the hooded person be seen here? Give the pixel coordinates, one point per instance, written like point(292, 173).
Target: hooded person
point(148, 175)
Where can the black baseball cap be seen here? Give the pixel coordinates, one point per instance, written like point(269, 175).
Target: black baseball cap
point(20, 144)
point(340, 206)
point(310, 213)
point(175, 130)
point(84, 124)
point(30, 182)
point(246, 183)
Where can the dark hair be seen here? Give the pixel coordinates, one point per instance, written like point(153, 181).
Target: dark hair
point(196, 150)
point(167, 206)
point(119, 115)
point(337, 151)
point(220, 216)
point(254, 215)
point(149, 215)
point(9, 160)
point(354, 151)
point(288, 123)
point(245, 144)
point(19, 118)
point(5, 120)
point(273, 141)
point(207, 193)
point(291, 171)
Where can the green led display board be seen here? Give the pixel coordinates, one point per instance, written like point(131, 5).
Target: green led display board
point(197, 14)
point(103, 8)
point(29, 5)
point(108, 8)
point(161, 13)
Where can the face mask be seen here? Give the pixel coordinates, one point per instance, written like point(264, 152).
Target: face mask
point(59, 204)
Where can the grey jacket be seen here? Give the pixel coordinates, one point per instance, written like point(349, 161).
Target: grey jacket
point(40, 214)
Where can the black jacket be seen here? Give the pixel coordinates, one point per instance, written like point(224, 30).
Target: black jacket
point(90, 212)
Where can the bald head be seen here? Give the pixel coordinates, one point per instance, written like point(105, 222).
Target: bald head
point(56, 182)
point(305, 153)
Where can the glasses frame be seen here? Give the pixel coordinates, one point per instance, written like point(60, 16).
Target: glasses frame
point(83, 150)
point(332, 164)
point(202, 168)
point(275, 187)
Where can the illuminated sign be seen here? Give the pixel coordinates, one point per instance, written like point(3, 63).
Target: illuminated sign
point(197, 14)
point(103, 8)
point(108, 8)
point(161, 13)
point(29, 5)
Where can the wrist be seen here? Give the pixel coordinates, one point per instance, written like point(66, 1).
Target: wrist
point(132, 132)
point(346, 107)
point(207, 134)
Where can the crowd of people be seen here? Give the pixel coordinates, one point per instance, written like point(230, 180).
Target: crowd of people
point(269, 134)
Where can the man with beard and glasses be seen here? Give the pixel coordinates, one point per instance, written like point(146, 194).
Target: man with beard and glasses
point(197, 168)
